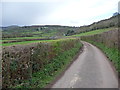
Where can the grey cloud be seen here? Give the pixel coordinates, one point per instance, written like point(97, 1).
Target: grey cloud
point(25, 12)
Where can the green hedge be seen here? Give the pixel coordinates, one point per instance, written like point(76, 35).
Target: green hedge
point(36, 65)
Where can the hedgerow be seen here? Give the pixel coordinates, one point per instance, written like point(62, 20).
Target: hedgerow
point(36, 65)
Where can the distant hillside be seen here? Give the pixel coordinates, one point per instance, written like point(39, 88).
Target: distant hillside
point(106, 23)
point(56, 30)
point(37, 30)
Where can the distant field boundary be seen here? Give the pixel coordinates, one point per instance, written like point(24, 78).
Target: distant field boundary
point(27, 40)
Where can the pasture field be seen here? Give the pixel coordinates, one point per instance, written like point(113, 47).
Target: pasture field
point(34, 41)
point(94, 32)
point(28, 40)
point(33, 56)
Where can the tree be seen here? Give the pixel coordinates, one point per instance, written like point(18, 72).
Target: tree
point(70, 32)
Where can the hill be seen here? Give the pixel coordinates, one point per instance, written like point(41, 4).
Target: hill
point(56, 30)
point(29, 34)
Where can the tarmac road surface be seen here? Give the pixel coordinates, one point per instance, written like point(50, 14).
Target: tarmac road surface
point(91, 70)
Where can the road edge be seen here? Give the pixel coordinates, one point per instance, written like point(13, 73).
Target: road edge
point(67, 67)
point(110, 62)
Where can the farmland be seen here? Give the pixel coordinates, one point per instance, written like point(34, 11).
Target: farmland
point(27, 40)
point(99, 31)
point(14, 35)
point(34, 55)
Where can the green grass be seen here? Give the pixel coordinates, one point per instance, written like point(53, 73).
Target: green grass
point(36, 37)
point(112, 53)
point(29, 42)
point(94, 32)
point(43, 77)
point(23, 38)
point(50, 34)
point(25, 42)
point(17, 38)
point(6, 40)
point(37, 32)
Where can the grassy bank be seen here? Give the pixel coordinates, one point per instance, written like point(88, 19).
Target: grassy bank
point(35, 66)
point(111, 53)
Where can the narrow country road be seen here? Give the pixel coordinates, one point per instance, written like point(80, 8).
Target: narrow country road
point(90, 70)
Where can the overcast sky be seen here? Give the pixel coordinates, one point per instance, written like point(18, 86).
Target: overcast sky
point(58, 12)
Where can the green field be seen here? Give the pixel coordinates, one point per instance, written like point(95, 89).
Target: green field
point(94, 32)
point(29, 42)
point(35, 37)
point(37, 41)
point(26, 42)
point(23, 38)
point(37, 32)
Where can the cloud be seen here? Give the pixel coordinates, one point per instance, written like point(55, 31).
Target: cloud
point(26, 12)
point(50, 1)
point(63, 12)
point(84, 12)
